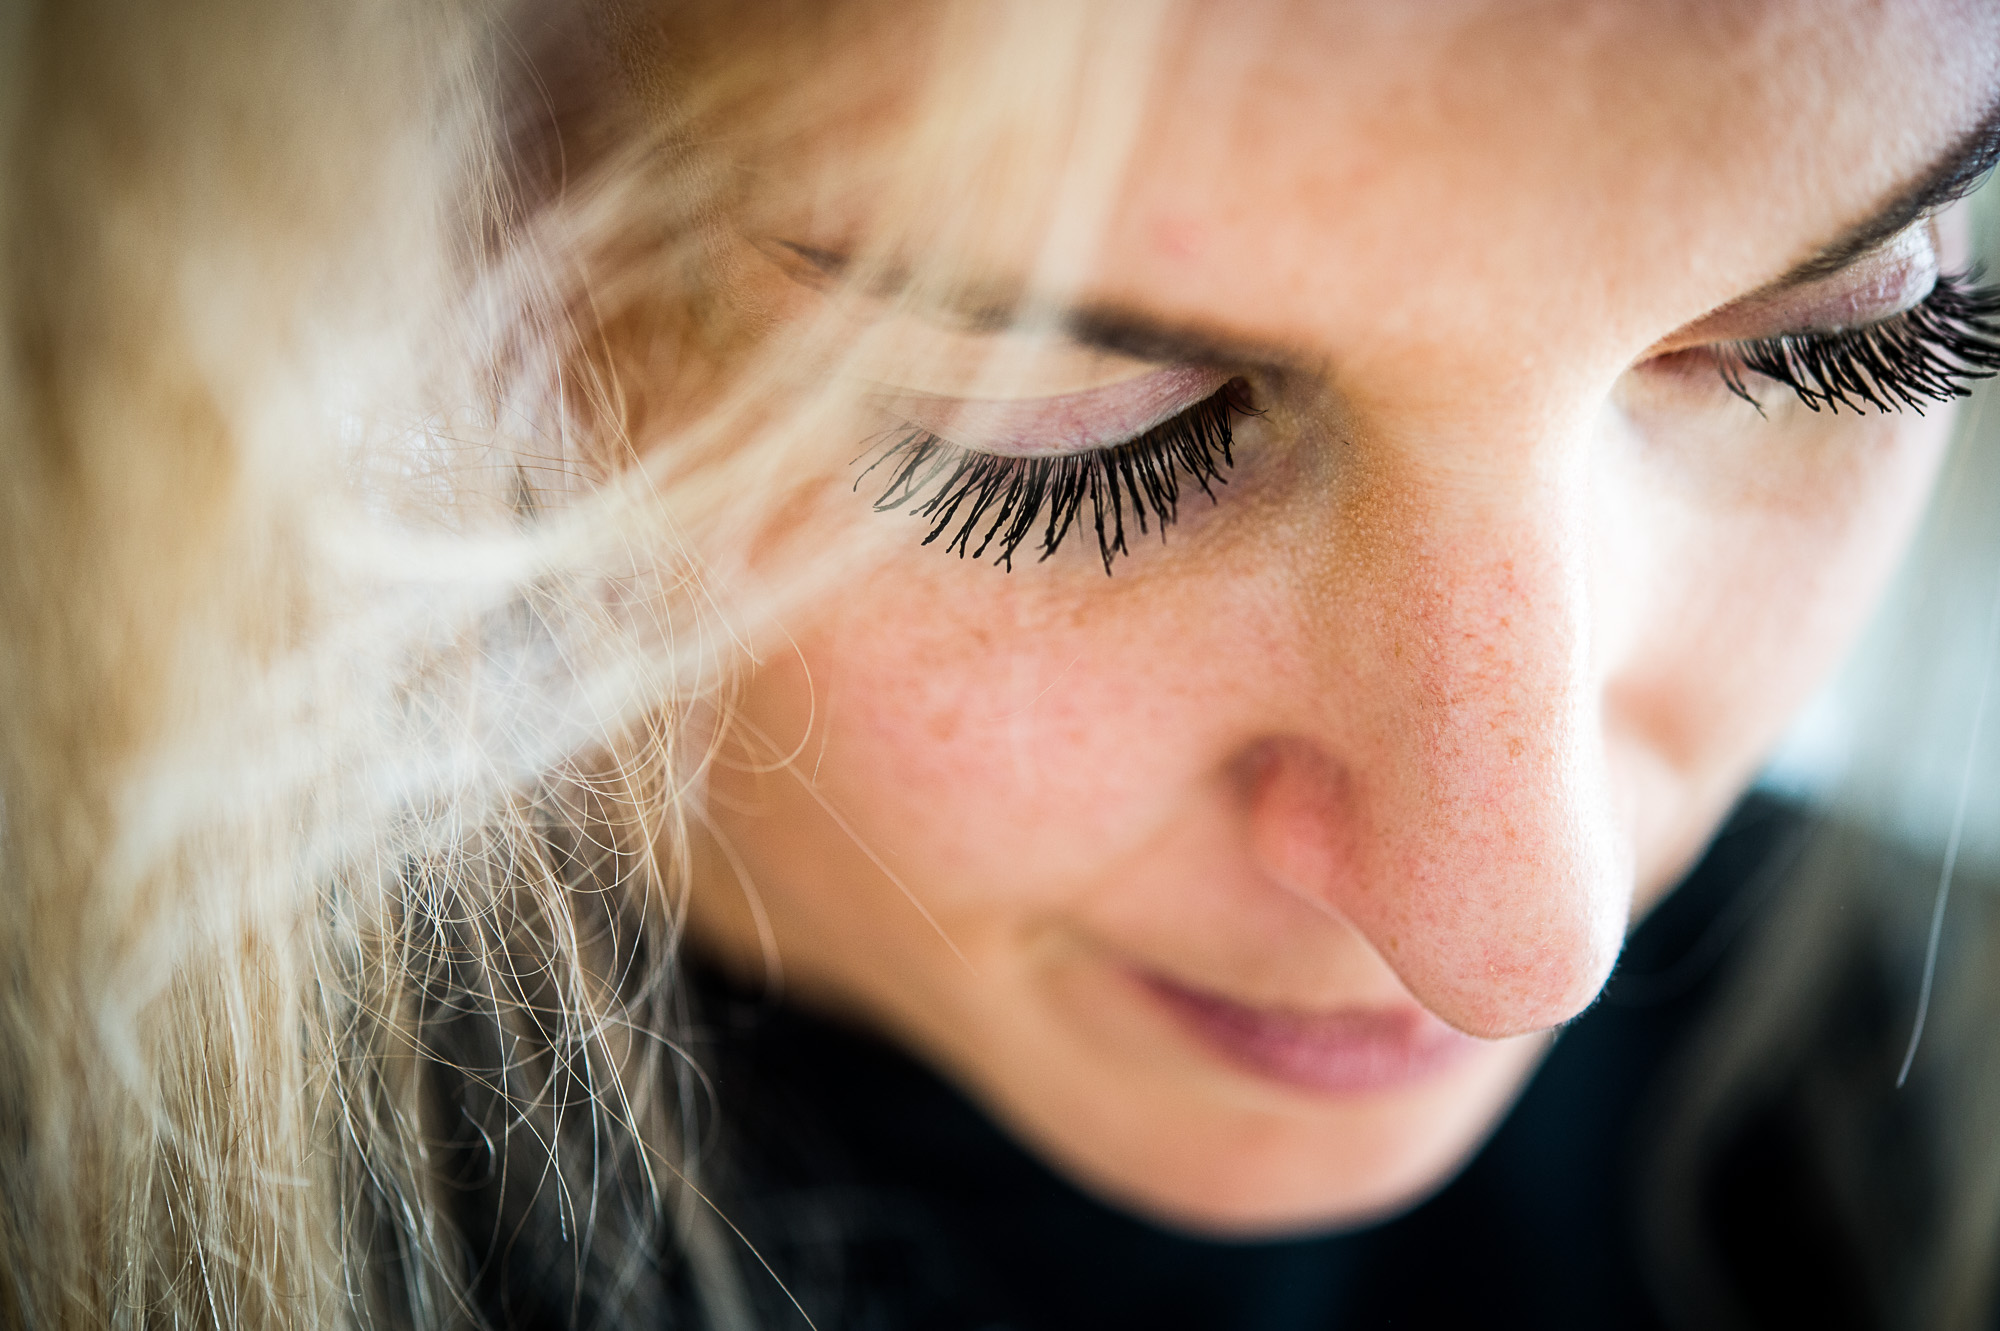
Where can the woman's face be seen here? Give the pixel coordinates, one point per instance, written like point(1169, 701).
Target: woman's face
point(1246, 883)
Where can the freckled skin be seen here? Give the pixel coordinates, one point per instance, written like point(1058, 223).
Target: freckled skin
point(1494, 622)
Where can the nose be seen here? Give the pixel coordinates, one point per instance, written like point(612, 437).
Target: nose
point(1446, 788)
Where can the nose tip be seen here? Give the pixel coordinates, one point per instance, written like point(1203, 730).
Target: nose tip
point(1502, 941)
point(1501, 909)
point(1446, 786)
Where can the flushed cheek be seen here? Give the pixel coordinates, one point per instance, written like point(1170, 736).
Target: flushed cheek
point(1023, 764)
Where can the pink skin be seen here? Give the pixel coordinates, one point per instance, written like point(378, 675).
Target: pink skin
point(1069, 423)
point(1502, 606)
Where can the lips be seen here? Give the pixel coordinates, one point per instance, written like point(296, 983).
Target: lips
point(1346, 1050)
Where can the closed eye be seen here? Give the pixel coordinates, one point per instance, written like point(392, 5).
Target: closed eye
point(1931, 353)
point(980, 503)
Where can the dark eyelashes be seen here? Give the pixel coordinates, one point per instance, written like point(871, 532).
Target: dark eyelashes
point(978, 503)
point(1930, 353)
point(985, 504)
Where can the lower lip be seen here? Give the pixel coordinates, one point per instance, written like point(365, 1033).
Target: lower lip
point(1346, 1051)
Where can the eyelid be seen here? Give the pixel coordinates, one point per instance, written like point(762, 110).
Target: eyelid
point(1051, 426)
point(1893, 277)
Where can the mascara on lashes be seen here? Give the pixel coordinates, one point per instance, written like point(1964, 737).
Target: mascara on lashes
point(998, 500)
point(1931, 353)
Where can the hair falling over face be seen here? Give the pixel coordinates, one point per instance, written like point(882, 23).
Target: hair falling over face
point(363, 663)
point(383, 544)
point(320, 581)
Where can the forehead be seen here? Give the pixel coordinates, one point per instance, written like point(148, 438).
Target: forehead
point(1322, 174)
point(1531, 154)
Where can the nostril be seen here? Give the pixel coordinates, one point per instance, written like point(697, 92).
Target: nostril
point(1301, 814)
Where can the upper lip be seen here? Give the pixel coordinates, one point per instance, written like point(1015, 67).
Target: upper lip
point(1303, 1014)
point(1305, 1010)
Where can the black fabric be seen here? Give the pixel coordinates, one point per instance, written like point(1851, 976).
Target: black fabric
point(886, 1201)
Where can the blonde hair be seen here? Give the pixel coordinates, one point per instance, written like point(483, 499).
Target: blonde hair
point(380, 553)
point(371, 605)
point(297, 686)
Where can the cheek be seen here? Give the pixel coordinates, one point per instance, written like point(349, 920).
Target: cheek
point(1731, 598)
point(1011, 740)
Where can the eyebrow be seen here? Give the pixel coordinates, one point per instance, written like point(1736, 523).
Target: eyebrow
point(1103, 327)
point(1960, 170)
point(1957, 172)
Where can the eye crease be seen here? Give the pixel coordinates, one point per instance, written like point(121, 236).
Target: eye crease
point(998, 501)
